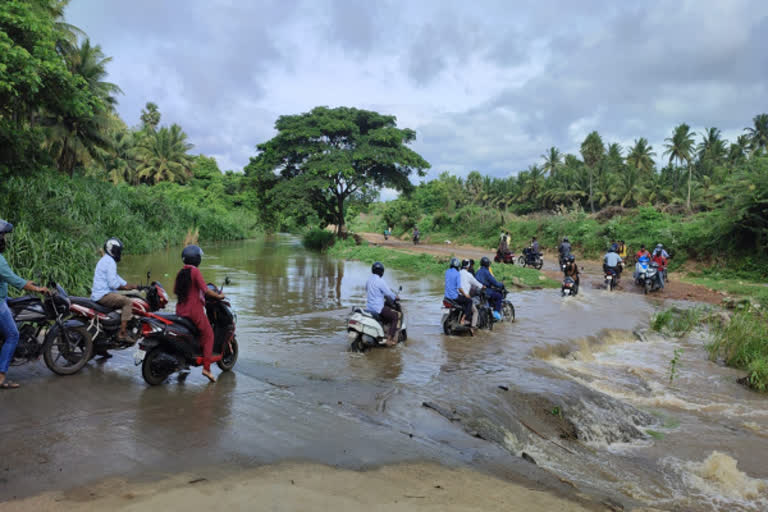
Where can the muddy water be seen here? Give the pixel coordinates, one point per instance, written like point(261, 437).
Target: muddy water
point(570, 385)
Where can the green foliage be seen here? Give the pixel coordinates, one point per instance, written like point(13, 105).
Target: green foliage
point(317, 239)
point(334, 155)
point(677, 322)
point(674, 364)
point(61, 223)
point(741, 342)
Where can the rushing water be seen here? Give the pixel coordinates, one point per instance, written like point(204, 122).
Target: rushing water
point(574, 384)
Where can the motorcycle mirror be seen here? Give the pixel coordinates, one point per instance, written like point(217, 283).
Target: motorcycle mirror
point(149, 275)
point(227, 280)
point(400, 289)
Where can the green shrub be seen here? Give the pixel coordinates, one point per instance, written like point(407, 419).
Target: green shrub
point(318, 239)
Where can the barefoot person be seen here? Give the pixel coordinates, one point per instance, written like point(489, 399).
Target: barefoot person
point(8, 331)
point(190, 288)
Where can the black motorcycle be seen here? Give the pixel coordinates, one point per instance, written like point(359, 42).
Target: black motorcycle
point(452, 313)
point(530, 258)
point(170, 343)
point(67, 345)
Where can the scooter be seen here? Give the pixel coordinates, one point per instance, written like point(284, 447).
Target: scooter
point(366, 330)
point(170, 343)
point(569, 288)
point(648, 276)
point(67, 345)
point(103, 323)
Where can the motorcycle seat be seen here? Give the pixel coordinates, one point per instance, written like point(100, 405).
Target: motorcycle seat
point(181, 320)
point(19, 301)
point(88, 303)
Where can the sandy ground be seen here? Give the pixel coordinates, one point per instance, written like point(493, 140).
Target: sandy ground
point(301, 487)
point(591, 269)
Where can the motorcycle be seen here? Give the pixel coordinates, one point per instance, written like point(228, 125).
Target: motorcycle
point(611, 278)
point(366, 330)
point(507, 308)
point(508, 257)
point(569, 288)
point(647, 276)
point(169, 343)
point(563, 260)
point(67, 345)
point(531, 259)
point(452, 313)
point(103, 323)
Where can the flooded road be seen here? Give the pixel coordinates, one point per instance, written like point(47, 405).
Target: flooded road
point(569, 386)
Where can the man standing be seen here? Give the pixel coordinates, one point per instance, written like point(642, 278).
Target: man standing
point(106, 282)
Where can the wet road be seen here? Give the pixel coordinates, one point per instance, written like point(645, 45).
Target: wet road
point(568, 386)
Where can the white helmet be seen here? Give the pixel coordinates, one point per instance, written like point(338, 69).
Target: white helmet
point(114, 247)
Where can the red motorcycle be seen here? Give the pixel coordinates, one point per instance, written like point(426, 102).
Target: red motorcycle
point(170, 343)
point(103, 323)
point(508, 257)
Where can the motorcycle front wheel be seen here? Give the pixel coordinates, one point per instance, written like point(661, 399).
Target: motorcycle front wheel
point(647, 287)
point(229, 356)
point(539, 264)
point(67, 350)
point(521, 260)
point(508, 310)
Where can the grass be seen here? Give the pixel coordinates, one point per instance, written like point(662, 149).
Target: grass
point(318, 239)
point(743, 344)
point(434, 265)
point(737, 287)
point(655, 434)
point(677, 321)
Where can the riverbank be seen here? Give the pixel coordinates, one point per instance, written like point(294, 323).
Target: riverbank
point(307, 486)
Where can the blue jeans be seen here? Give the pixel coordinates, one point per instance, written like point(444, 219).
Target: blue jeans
point(494, 298)
point(10, 333)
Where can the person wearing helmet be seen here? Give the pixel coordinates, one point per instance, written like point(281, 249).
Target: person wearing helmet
point(106, 282)
point(661, 258)
point(492, 286)
point(377, 292)
point(454, 292)
point(190, 289)
point(564, 249)
point(571, 269)
point(468, 281)
point(8, 329)
point(612, 261)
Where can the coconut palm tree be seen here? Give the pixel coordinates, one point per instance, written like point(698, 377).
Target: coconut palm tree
point(758, 134)
point(592, 151)
point(121, 161)
point(553, 160)
point(163, 156)
point(737, 151)
point(641, 157)
point(712, 146)
point(680, 147)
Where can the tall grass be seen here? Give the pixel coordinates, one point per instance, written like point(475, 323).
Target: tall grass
point(743, 343)
point(61, 223)
point(677, 321)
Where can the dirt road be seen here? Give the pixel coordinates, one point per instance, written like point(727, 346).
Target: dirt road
point(591, 270)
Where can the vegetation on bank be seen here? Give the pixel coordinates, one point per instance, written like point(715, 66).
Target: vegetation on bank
point(511, 275)
point(739, 339)
point(60, 223)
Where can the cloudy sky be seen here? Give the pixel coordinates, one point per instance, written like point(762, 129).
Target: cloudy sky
point(487, 85)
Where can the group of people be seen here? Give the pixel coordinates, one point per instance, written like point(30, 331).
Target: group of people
point(613, 260)
point(189, 287)
point(462, 283)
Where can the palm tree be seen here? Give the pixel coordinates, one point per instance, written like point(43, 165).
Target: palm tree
point(592, 151)
point(641, 157)
point(532, 181)
point(712, 147)
point(121, 162)
point(163, 156)
point(90, 63)
point(553, 159)
point(758, 133)
point(737, 152)
point(680, 147)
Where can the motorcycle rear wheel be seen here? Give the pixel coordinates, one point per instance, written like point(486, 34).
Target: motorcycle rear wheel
point(152, 377)
point(70, 356)
point(229, 358)
point(357, 344)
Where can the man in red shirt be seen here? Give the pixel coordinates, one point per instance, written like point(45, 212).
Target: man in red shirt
point(642, 252)
point(191, 289)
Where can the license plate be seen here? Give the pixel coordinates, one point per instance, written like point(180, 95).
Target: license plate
point(609, 277)
point(138, 356)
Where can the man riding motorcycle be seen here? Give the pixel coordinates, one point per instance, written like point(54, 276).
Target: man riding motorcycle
point(642, 252)
point(492, 286)
point(376, 290)
point(661, 257)
point(106, 282)
point(454, 292)
point(571, 269)
point(8, 329)
point(468, 280)
point(564, 249)
point(612, 262)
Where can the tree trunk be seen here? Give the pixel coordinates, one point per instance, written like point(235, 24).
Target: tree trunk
point(339, 215)
point(591, 201)
point(688, 202)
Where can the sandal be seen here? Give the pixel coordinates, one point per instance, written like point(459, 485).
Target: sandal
point(7, 384)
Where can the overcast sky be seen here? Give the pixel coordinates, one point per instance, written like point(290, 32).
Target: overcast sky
point(487, 85)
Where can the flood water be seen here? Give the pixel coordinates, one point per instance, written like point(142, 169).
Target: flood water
point(574, 384)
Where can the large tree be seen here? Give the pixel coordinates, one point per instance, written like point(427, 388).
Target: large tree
point(758, 133)
point(641, 157)
point(340, 152)
point(680, 147)
point(592, 151)
point(164, 156)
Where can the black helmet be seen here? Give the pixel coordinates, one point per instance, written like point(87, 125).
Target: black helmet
point(464, 263)
point(565, 239)
point(571, 258)
point(455, 263)
point(192, 255)
point(5, 227)
point(114, 247)
point(378, 269)
point(485, 262)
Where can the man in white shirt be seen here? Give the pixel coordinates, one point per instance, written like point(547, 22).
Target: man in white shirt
point(106, 282)
point(469, 287)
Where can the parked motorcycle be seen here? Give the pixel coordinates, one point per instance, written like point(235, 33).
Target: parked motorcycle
point(103, 323)
point(529, 258)
point(170, 343)
point(67, 345)
point(508, 257)
point(366, 330)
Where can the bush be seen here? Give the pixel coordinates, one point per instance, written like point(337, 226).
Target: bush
point(318, 239)
point(742, 344)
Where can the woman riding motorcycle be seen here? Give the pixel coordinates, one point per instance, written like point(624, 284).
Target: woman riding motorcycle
point(7, 324)
point(191, 289)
